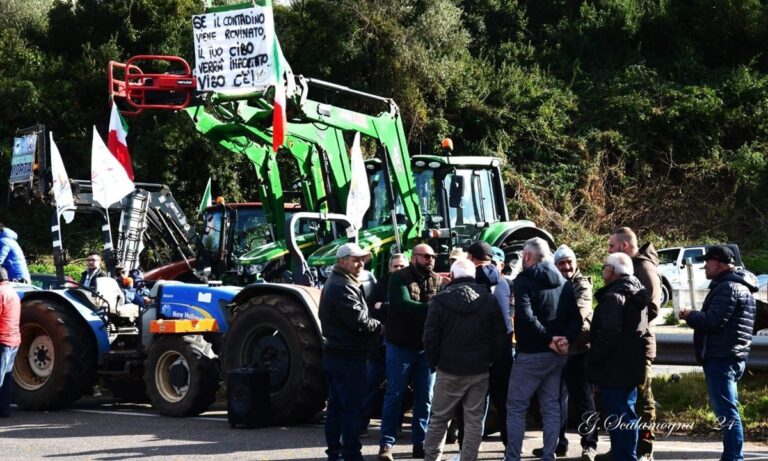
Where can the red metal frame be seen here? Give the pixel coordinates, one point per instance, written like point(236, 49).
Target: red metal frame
point(136, 85)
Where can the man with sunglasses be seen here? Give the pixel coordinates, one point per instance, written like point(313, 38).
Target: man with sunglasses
point(93, 270)
point(410, 291)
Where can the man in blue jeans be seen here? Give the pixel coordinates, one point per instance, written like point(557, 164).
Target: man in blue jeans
point(347, 330)
point(410, 290)
point(10, 338)
point(722, 335)
point(616, 359)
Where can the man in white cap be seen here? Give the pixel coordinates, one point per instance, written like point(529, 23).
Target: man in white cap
point(577, 390)
point(347, 329)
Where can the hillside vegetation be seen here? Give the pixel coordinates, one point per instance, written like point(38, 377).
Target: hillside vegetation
point(647, 113)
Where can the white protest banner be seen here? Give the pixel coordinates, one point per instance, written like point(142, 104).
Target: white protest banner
point(233, 49)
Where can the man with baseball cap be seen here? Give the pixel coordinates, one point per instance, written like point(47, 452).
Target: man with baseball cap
point(347, 329)
point(722, 335)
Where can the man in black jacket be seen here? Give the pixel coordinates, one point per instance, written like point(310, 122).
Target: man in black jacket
point(92, 271)
point(347, 329)
point(645, 262)
point(722, 335)
point(464, 333)
point(616, 358)
point(546, 321)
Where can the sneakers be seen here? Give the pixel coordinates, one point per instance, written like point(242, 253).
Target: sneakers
point(385, 453)
point(588, 454)
point(559, 451)
point(418, 452)
point(645, 457)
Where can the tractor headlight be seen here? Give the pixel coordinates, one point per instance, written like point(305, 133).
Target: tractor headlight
point(254, 269)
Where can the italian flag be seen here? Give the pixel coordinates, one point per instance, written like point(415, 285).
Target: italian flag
point(116, 144)
point(278, 116)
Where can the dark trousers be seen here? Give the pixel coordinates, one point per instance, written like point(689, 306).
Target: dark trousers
point(577, 391)
point(498, 387)
point(346, 402)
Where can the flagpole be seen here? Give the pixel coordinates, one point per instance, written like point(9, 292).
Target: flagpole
point(106, 235)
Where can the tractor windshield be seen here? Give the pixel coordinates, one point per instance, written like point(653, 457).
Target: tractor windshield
point(473, 203)
point(211, 234)
point(251, 230)
point(380, 211)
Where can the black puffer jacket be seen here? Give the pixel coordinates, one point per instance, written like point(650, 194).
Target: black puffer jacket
point(545, 306)
point(723, 327)
point(464, 331)
point(344, 317)
point(617, 355)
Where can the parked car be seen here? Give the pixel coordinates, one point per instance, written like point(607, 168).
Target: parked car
point(673, 273)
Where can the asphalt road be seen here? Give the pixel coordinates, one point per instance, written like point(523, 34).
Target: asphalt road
point(96, 428)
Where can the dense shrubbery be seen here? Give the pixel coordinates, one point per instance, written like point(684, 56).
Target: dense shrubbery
point(652, 114)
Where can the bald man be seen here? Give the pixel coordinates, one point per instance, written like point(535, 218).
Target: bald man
point(410, 291)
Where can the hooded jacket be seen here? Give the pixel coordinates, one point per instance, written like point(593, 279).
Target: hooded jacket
point(723, 327)
point(464, 331)
point(617, 354)
point(489, 276)
point(645, 264)
point(545, 306)
point(11, 256)
point(344, 317)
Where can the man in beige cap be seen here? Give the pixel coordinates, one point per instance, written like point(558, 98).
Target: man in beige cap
point(347, 329)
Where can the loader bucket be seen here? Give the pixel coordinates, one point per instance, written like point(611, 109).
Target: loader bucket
point(135, 90)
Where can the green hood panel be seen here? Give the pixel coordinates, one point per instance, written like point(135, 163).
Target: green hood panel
point(375, 240)
point(265, 253)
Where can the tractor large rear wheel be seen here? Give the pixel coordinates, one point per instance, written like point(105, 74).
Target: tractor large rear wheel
point(182, 375)
point(276, 333)
point(56, 361)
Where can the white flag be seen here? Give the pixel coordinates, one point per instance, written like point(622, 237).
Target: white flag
point(359, 199)
point(62, 189)
point(109, 179)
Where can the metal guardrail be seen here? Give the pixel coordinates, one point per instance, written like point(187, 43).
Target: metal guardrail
point(677, 349)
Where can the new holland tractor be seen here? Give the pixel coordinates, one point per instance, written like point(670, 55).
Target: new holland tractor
point(73, 336)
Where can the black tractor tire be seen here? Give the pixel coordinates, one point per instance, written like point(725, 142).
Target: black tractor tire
point(127, 388)
point(274, 332)
point(56, 361)
point(181, 375)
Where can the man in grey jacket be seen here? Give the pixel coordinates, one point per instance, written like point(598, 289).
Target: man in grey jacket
point(463, 334)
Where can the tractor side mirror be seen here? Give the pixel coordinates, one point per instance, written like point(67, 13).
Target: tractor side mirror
point(456, 192)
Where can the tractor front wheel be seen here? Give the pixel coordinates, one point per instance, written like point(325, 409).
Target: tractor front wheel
point(182, 375)
point(56, 360)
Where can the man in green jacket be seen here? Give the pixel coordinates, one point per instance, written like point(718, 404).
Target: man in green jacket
point(410, 291)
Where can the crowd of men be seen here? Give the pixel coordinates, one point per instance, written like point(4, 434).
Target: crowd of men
point(493, 333)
